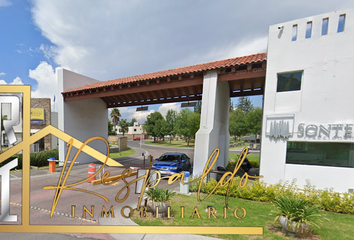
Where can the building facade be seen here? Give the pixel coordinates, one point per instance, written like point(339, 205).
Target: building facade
point(135, 131)
point(40, 118)
point(308, 120)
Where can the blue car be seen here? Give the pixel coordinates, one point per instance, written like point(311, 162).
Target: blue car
point(170, 163)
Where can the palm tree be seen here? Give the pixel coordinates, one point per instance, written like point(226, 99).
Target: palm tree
point(115, 114)
point(124, 126)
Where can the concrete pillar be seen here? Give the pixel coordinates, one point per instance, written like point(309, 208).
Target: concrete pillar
point(81, 119)
point(214, 123)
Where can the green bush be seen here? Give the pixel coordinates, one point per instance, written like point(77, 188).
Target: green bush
point(160, 194)
point(39, 159)
point(259, 191)
point(298, 210)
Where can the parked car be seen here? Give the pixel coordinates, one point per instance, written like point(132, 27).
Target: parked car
point(170, 163)
point(136, 139)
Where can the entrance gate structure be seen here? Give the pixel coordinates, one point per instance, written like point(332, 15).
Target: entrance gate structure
point(84, 107)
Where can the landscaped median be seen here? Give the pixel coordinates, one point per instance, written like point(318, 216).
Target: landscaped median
point(125, 153)
point(174, 143)
point(259, 211)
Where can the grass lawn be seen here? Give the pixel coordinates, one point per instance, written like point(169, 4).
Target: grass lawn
point(258, 214)
point(242, 146)
point(123, 153)
point(251, 157)
point(174, 143)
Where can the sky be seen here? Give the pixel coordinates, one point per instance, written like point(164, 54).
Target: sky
point(110, 39)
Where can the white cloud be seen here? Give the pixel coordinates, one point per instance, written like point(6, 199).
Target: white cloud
point(48, 51)
point(127, 38)
point(5, 3)
point(17, 81)
point(163, 109)
point(141, 116)
point(247, 47)
point(2, 74)
point(47, 86)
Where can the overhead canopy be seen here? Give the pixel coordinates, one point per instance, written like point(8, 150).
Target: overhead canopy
point(246, 77)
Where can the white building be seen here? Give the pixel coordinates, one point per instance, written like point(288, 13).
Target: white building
point(308, 118)
point(134, 130)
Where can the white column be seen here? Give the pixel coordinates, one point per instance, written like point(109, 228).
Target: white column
point(81, 119)
point(214, 123)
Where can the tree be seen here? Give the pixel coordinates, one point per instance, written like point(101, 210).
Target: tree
point(231, 107)
point(187, 123)
point(171, 123)
point(193, 124)
point(115, 114)
point(198, 107)
point(110, 128)
point(254, 121)
point(161, 128)
point(124, 126)
point(132, 122)
point(237, 124)
point(244, 104)
point(150, 124)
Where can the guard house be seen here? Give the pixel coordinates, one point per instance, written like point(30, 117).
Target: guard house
point(308, 119)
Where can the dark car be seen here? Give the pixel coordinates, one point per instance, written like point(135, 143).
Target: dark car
point(170, 163)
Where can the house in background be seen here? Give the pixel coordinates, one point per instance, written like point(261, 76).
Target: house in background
point(135, 131)
point(41, 116)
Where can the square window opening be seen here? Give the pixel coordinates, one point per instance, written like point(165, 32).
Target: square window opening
point(290, 81)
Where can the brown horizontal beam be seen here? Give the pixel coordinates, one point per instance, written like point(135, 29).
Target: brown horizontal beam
point(247, 93)
point(158, 101)
point(243, 74)
point(135, 89)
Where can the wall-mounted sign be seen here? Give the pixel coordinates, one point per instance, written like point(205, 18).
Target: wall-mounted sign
point(280, 127)
point(325, 132)
point(37, 116)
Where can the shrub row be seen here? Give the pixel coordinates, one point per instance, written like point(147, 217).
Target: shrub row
point(39, 159)
point(259, 191)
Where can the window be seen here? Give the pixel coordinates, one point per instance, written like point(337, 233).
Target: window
point(294, 34)
point(290, 81)
point(341, 23)
point(321, 154)
point(325, 26)
point(36, 147)
point(308, 30)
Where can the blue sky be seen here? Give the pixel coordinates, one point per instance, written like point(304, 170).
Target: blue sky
point(20, 43)
point(113, 39)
